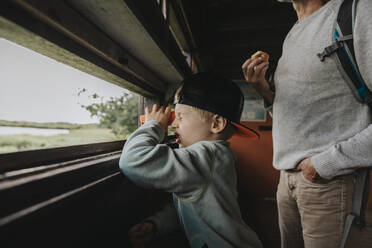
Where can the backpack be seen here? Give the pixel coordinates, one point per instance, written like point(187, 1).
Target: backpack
point(344, 48)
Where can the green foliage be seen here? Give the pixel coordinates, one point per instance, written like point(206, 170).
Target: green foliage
point(53, 125)
point(118, 114)
point(23, 142)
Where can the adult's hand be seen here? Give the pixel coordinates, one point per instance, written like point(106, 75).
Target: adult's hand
point(309, 172)
point(254, 71)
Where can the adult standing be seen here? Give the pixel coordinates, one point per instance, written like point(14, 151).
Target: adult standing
point(321, 133)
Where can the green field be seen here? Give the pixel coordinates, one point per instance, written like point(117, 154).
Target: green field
point(54, 125)
point(83, 135)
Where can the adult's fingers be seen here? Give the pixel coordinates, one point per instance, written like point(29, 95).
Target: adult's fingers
point(264, 70)
point(251, 71)
point(155, 107)
point(245, 68)
point(260, 66)
point(245, 64)
point(259, 69)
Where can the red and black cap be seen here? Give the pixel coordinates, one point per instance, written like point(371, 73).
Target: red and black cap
point(214, 93)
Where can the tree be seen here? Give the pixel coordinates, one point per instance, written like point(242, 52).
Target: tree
point(118, 114)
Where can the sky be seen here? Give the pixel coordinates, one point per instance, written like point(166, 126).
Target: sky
point(36, 88)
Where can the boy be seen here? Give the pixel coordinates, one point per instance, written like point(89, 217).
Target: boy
point(201, 173)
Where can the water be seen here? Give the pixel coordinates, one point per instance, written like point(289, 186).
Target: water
point(4, 130)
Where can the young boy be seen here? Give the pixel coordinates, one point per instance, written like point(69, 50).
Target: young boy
point(201, 173)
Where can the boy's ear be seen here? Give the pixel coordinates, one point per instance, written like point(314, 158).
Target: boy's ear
point(218, 124)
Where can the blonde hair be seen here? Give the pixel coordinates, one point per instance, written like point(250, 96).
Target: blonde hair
point(204, 114)
point(226, 133)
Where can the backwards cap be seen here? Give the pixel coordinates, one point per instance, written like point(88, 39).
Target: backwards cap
point(213, 93)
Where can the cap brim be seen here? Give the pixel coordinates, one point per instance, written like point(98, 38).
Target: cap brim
point(245, 132)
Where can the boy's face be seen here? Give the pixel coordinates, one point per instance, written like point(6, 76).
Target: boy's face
point(189, 126)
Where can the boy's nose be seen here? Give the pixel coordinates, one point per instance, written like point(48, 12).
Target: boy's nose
point(174, 124)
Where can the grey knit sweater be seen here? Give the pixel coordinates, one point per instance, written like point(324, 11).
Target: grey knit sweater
point(203, 181)
point(315, 113)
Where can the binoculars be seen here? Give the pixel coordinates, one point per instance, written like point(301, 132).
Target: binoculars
point(171, 118)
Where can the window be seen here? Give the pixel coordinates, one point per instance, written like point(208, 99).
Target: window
point(44, 104)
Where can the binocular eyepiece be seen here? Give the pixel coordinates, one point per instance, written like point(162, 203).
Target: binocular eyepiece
point(171, 118)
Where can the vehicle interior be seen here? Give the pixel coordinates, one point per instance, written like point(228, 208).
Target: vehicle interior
point(77, 195)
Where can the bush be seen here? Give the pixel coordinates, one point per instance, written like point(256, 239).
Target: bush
point(118, 114)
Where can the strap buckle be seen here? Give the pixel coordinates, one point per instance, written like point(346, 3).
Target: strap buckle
point(329, 50)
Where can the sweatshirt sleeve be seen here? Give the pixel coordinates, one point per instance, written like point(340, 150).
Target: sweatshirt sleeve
point(344, 157)
point(166, 220)
point(150, 164)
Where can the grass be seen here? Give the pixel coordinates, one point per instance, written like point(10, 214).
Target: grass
point(77, 136)
point(54, 125)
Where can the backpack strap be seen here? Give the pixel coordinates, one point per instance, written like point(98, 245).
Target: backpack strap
point(360, 200)
point(343, 46)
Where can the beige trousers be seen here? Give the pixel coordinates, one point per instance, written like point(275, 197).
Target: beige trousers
point(312, 215)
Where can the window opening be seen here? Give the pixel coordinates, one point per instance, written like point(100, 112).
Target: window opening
point(44, 104)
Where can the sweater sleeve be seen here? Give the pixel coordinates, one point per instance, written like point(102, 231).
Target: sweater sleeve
point(150, 164)
point(346, 156)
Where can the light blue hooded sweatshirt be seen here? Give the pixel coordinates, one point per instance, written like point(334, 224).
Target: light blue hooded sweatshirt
point(203, 181)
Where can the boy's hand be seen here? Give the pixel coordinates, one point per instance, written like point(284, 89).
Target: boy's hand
point(141, 234)
point(158, 114)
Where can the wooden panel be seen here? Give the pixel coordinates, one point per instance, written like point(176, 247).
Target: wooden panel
point(57, 22)
point(150, 15)
point(27, 159)
point(92, 205)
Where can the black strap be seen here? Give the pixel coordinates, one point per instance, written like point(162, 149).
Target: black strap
point(348, 224)
point(360, 199)
point(346, 54)
point(344, 48)
point(339, 43)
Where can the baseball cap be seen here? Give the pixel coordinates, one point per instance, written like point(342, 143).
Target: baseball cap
point(214, 93)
